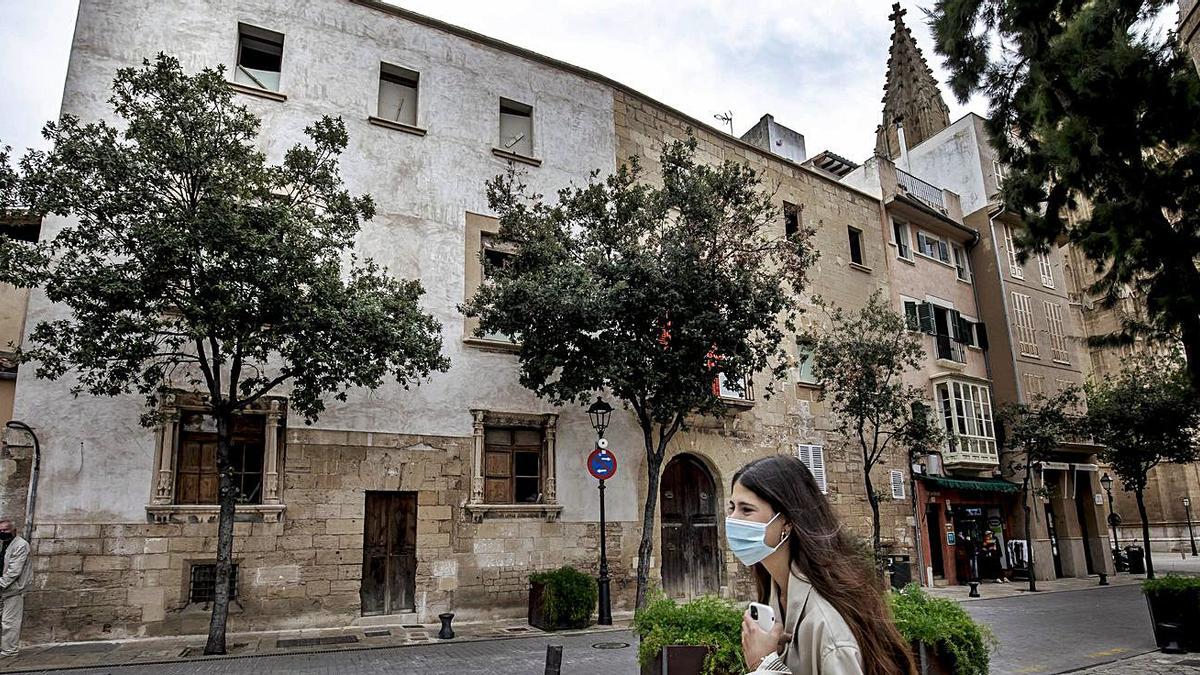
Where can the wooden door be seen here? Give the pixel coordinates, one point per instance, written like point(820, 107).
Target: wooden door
point(389, 575)
point(691, 557)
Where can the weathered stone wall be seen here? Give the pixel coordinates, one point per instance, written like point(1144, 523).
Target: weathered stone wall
point(119, 580)
point(796, 415)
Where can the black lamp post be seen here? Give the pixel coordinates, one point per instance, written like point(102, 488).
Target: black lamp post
point(1187, 509)
point(1106, 482)
point(599, 413)
point(31, 497)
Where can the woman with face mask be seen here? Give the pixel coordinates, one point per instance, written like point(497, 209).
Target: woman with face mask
point(830, 615)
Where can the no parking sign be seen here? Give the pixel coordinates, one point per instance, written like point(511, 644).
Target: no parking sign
point(602, 464)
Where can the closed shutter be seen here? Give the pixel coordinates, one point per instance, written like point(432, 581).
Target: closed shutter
point(925, 317)
point(897, 484)
point(813, 457)
point(956, 327)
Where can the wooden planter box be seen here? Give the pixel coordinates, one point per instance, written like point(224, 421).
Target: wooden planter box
point(936, 661)
point(537, 617)
point(1176, 618)
point(678, 660)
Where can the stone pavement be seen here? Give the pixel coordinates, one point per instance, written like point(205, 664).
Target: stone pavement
point(584, 653)
point(1154, 663)
point(990, 590)
point(295, 643)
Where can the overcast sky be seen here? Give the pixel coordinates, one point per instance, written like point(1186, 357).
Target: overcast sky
point(818, 67)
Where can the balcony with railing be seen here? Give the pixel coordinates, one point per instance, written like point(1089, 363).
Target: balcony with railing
point(950, 349)
point(927, 194)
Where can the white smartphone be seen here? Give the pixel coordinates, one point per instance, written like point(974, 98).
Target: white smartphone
point(763, 615)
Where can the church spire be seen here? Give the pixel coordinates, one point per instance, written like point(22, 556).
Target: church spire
point(911, 97)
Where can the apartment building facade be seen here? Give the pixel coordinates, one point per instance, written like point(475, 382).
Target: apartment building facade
point(480, 482)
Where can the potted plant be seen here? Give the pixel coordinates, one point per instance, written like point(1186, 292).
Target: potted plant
point(563, 598)
point(1174, 610)
point(701, 637)
point(954, 643)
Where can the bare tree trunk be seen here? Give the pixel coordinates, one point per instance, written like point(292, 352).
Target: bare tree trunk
point(874, 499)
point(1029, 521)
point(654, 460)
point(227, 496)
point(1145, 532)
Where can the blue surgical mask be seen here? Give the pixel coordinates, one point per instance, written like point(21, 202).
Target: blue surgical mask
point(748, 540)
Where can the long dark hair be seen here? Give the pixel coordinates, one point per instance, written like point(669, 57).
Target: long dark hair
point(830, 559)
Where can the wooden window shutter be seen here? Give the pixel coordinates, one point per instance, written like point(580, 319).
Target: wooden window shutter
point(813, 457)
point(925, 318)
point(897, 484)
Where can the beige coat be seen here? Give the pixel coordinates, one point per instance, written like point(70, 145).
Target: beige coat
point(17, 568)
point(822, 643)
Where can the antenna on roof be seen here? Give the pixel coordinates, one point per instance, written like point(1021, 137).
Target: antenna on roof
point(727, 118)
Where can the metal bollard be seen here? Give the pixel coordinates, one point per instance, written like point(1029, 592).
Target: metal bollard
point(1103, 579)
point(446, 633)
point(974, 589)
point(553, 659)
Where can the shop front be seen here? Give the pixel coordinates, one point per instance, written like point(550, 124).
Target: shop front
point(965, 533)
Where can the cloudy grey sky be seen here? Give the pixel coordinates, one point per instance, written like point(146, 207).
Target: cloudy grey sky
point(817, 66)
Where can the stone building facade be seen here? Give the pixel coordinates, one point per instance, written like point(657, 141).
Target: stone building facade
point(126, 524)
point(1167, 484)
point(1189, 29)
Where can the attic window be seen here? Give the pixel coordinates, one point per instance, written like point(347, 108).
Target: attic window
point(398, 94)
point(516, 128)
point(260, 58)
point(791, 219)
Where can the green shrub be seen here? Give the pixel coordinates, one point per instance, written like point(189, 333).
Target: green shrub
point(706, 621)
point(1172, 584)
point(944, 624)
point(569, 597)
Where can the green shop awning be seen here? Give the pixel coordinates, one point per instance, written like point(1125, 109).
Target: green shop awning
point(975, 484)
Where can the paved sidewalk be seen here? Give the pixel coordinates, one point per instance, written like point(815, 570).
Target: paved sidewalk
point(189, 649)
point(990, 590)
point(1154, 663)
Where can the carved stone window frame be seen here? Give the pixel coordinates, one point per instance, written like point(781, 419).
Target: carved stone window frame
point(162, 507)
point(548, 424)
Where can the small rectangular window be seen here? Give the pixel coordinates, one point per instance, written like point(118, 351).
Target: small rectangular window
point(804, 362)
point(897, 478)
point(512, 466)
point(900, 231)
point(259, 58)
point(738, 389)
point(1046, 270)
point(933, 247)
point(911, 314)
point(1014, 263)
point(813, 457)
point(202, 584)
point(856, 252)
point(516, 128)
point(398, 94)
point(791, 219)
point(961, 265)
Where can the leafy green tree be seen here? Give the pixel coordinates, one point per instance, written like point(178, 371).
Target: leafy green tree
point(648, 292)
point(190, 261)
point(1032, 433)
point(1145, 416)
point(1088, 105)
point(860, 360)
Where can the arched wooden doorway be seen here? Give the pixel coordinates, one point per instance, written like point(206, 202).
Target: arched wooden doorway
point(691, 557)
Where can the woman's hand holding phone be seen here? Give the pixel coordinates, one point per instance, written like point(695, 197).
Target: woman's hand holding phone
point(761, 634)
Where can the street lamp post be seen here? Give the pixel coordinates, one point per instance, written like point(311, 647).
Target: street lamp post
point(599, 413)
point(31, 497)
point(1187, 509)
point(1107, 482)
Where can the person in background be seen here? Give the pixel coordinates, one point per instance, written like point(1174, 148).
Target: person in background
point(13, 582)
point(830, 613)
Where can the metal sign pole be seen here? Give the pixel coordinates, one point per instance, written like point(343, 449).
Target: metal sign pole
point(605, 618)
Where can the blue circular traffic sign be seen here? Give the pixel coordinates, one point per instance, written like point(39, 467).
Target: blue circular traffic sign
point(602, 464)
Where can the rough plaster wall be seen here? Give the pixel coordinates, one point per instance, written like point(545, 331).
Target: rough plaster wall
point(422, 186)
point(953, 159)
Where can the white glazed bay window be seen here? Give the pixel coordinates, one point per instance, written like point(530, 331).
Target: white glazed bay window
point(966, 409)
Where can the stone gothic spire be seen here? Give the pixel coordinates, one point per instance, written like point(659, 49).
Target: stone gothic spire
point(911, 97)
